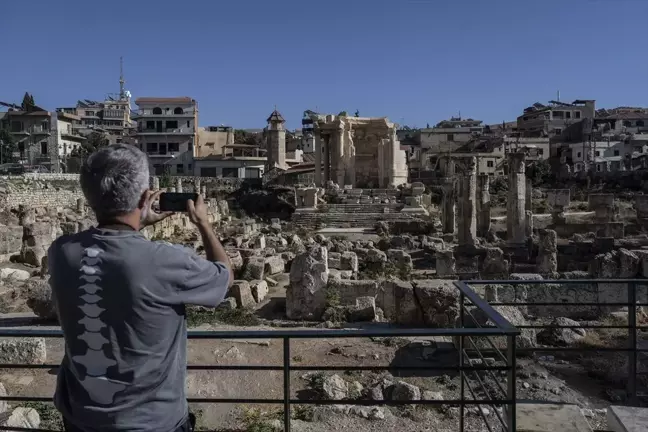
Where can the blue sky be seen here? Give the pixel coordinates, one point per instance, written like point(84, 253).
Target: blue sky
point(415, 61)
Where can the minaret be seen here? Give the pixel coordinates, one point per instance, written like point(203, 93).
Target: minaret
point(276, 141)
point(122, 90)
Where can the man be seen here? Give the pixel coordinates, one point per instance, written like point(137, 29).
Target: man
point(121, 303)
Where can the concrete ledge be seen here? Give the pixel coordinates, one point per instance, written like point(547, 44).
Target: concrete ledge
point(627, 419)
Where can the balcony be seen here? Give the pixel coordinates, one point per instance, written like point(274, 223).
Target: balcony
point(163, 131)
point(114, 114)
point(190, 113)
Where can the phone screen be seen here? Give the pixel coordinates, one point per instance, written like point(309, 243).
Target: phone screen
point(176, 201)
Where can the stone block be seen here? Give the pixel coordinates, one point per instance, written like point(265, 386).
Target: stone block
point(439, 302)
point(28, 351)
point(445, 264)
point(306, 294)
point(349, 261)
point(21, 417)
point(406, 306)
point(260, 242)
point(365, 309)
point(254, 268)
point(548, 417)
point(558, 198)
point(242, 293)
point(627, 419)
point(334, 260)
point(274, 265)
point(259, 290)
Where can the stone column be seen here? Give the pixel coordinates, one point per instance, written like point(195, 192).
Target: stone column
point(178, 185)
point(528, 203)
point(80, 206)
point(547, 261)
point(448, 207)
point(338, 156)
point(528, 221)
point(327, 157)
point(317, 144)
point(467, 204)
point(172, 189)
point(203, 191)
point(197, 185)
point(516, 205)
point(483, 205)
point(156, 183)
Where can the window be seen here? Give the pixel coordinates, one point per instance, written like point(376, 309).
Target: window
point(159, 169)
point(577, 114)
point(559, 114)
point(189, 167)
point(640, 123)
point(540, 152)
point(598, 153)
point(188, 123)
point(150, 125)
point(598, 167)
point(567, 114)
point(450, 137)
point(578, 154)
point(179, 169)
point(151, 147)
point(16, 126)
point(174, 147)
point(207, 172)
point(44, 147)
point(162, 149)
point(558, 131)
point(252, 173)
point(490, 164)
point(172, 124)
point(230, 172)
point(178, 111)
point(157, 110)
point(90, 113)
point(627, 123)
point(616, 152)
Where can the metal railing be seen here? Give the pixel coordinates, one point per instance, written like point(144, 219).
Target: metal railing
point(607, 301)
point(472, 374)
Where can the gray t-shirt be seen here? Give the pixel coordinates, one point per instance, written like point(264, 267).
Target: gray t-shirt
point(120, 299)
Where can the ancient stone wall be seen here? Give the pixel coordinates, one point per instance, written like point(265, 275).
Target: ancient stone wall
point(41, 198)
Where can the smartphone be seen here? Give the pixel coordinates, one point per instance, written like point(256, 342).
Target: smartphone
point(176, 201)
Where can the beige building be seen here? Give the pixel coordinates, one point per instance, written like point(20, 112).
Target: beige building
point(167, 132)
point(32, 131)
point(212, 139)
point(66, 137)
point(449, 135)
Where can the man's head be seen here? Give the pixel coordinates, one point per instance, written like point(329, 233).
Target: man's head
point(115, 181)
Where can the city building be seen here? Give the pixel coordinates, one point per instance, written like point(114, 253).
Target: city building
point(66, 138)
point(31, 130)
point(167, 132)
point(276, 141)
point(557, 120)
point(449, 135)
point(212, 139)
point(240, 161)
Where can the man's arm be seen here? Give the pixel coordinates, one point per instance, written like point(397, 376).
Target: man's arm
point(214, 250)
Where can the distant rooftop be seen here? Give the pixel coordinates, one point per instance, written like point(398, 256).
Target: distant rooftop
point(164, 100)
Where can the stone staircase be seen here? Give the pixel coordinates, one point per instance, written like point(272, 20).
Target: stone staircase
point(349, 215)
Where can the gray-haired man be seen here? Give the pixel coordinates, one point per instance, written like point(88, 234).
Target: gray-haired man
point(120, 300)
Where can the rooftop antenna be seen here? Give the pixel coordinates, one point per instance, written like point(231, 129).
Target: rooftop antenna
point(558, 96)
point(122, 90)
point(459, 114)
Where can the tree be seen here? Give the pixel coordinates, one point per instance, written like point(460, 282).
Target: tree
point(343, 114)
point(243, 137)
point(7, 146)
point(95, 141)
point(28, 103)
point(357, 113)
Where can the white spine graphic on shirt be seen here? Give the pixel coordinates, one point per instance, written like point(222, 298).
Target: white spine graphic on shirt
point(100, 388)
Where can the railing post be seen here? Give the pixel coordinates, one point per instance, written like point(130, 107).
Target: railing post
point(632, 340)
point(510, 381)
point(462, 408)
point(286, 373)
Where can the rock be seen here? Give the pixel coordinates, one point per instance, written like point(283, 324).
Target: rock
point(334, 260)
point(254, 268)
point(39, 298)
point(494, 263)
point(349, 261)
point(15, 274)
point(242, 292)
point(236, 259)
point(259, 290)
point(355, 390)
point(376, 256)
point(27, 351)
point(376, 393)
point(228, 304)
point(628, 264)
point(403, 391)
point(22, 418)
point(405, 309)
point(402, 260)
point(274, 265)
point(547, 260)
point(365, 309)
point(439, 302)
point(271, 281)
point(334, 388)
point(432, 396)
point(4, 405)
point(527, 338)
point(369, 412)
point(446, 264)
point(561, 336)
point(306, 294)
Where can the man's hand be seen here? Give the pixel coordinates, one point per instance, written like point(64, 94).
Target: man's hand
point(197, 212)
point(151, 217)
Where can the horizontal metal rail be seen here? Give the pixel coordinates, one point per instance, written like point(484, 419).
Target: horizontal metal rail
point(470, 374)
